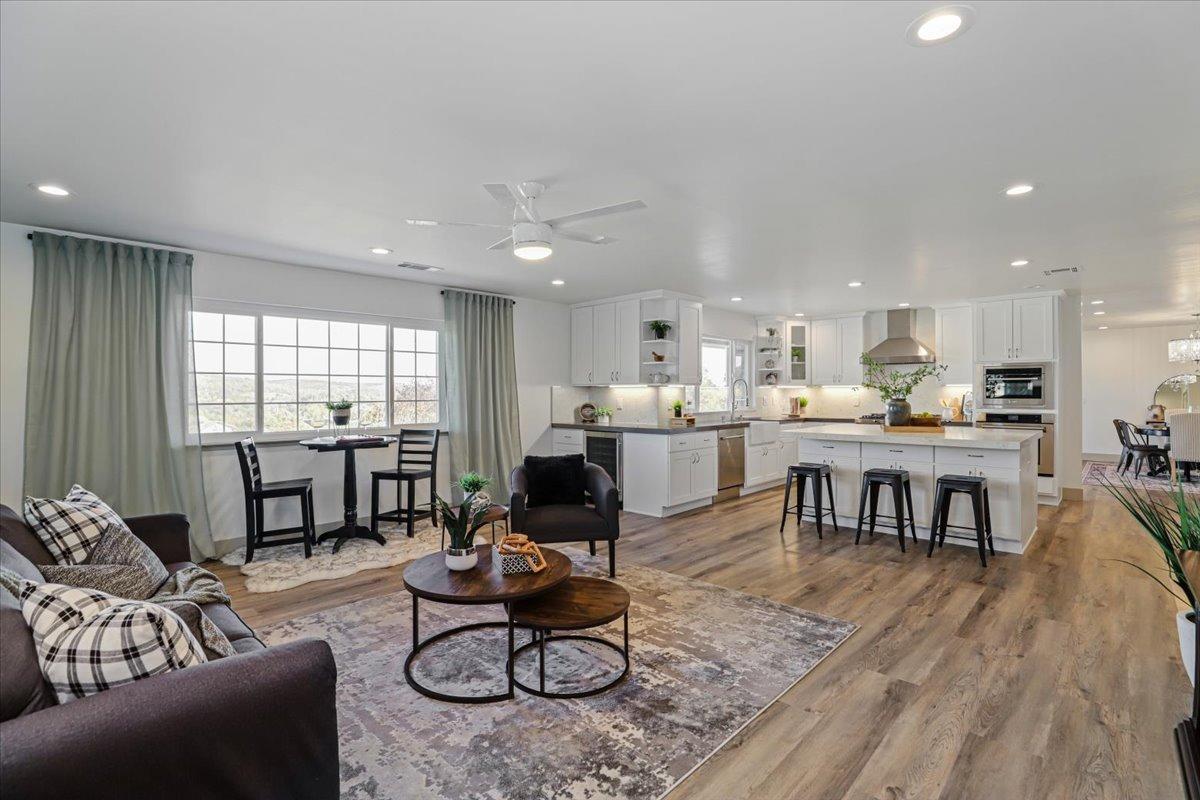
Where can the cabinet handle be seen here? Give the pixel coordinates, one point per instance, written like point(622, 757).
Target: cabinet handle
point(895, 451)
point(974, 455)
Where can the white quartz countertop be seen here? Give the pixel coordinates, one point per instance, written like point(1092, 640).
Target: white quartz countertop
point(986, 438)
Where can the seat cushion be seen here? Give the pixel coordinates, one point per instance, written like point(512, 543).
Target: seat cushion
point(402, 474)
point(554, 480)
point(564, 523)
point(228, 621)
point(23, 690)
point(12, 559)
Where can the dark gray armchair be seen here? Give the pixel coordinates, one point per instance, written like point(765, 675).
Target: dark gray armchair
point(570, 523)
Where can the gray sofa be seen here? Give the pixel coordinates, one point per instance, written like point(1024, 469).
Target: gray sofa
point(259, 724)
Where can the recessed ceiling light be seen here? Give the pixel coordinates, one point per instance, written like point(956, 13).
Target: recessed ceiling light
point(799, 314)
point(1097, 313)
point(902, 305)
point(1018, 189)
point(735, 299)
point(51, 189)
point(1103, 327)
point(1097, 302)
point(1021, 262)
point(380, 251)
point(854, 284)
point(939, 25)
point(557, 282)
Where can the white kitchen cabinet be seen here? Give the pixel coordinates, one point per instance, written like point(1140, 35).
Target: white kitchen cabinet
point(846, 475)
point(567, 441)
point(667, 474)
point(850, 348)
point(826, 358)
point(704, 473)
point(796, 354)
point(836, 347)
point(954, 344)
point(582, 345)
point(628, 341)
point(765, 463)
point(604, 343)
point(693, 475)
point(680, 482)
point(1033, 328)
point(689, 343)
point(1004, 486)
point(1015, 330)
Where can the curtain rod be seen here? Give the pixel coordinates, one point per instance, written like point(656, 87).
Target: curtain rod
point(479, 291)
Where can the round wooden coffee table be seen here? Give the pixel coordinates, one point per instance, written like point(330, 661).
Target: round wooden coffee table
point(577, 603)
point(428, 578)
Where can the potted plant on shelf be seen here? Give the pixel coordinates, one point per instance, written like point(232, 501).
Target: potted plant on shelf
point(660, 327)
point(340, 409)
point(603, 415)
point(1174, 525)
point(894, 386)
point(474, 483)
point(461, 522)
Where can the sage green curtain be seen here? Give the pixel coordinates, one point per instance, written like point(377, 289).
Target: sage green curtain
point(481, 387)
point(110, 379)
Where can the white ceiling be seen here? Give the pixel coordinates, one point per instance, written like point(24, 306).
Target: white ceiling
point(783, 149)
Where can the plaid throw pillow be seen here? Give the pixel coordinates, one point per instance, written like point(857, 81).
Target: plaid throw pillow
point(88, 641)
point(70, 527)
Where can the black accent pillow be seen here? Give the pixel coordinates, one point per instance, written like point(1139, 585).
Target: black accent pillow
point(554, 480)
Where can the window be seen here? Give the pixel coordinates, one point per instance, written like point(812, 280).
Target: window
point(271, 373)
point(414, 375)
point(224, 353)
point(308, 362)
point(722, 363)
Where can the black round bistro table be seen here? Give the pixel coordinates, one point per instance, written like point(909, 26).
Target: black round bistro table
point(429, 578)
point(350, 528)
point(1158, 430)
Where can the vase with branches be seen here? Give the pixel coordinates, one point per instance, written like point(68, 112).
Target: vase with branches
point(1172, 521)
point(895, 385)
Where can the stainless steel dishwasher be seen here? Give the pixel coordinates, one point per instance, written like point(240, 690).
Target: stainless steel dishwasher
point(731, 462)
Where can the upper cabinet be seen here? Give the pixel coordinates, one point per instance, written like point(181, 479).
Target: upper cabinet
point(1020, 329)
point(836, 347)
point(654, 339)
point(954, 344)
point(782, 352)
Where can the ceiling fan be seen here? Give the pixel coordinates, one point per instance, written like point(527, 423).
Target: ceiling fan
point(531, 235)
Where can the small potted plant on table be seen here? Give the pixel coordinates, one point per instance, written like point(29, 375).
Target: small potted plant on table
point(461, 522)
point(473, 483)
point(603, 415)
point(340, 410)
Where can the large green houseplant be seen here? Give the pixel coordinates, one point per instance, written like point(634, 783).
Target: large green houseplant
point(895, 385)
point(1172, 521)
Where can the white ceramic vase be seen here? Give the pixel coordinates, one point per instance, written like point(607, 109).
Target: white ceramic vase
point(1187, 642)
point(459, 560)
point(604, 420)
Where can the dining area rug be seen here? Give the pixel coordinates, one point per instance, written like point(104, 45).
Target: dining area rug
point(705, 661)
point(1095, 473)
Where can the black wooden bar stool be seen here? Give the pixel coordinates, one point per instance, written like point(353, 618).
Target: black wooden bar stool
point(416, 460)
point(901, 490)
point(975, 487)
point(802, 472)
point(256, 490)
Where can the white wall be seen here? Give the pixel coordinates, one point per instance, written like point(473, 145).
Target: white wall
point(1121, 369)
point(1068, 454)
point(542, 351)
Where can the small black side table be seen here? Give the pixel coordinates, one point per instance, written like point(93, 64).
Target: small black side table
point(350, 528)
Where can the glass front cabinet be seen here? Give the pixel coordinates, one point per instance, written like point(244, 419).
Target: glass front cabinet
point(783, 352)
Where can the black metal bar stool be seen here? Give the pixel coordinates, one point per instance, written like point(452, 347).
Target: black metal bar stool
point(975, 487)
point(802, 472)
point(898, 480)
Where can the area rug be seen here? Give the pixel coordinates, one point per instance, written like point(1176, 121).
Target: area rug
point(285, 567)
point(1096, 472)
point(705, 661)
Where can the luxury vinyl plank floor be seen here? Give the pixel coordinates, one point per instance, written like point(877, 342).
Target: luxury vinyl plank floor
point(1055, 674)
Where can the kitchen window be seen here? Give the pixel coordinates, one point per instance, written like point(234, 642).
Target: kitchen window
point(722, 363)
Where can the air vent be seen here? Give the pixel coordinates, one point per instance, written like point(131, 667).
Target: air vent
point(418, 267)
point(1060, 271)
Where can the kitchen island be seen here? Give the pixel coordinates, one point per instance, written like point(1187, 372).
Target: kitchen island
point(1007, 458)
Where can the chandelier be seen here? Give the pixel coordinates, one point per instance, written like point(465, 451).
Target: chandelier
point(1180, 350)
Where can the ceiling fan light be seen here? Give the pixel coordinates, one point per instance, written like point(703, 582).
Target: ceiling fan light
point(532, 251)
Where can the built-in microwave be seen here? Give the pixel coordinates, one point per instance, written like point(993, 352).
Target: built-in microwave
point(1016, 386)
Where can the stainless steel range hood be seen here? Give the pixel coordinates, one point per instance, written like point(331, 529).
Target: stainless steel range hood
point(901, 345)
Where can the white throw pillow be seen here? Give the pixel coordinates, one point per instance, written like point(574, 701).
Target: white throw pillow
point(70, 527)
point(88, 641)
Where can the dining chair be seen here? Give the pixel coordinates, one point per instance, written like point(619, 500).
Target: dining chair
point(1135, 449)
point(1185, 442)
point(256, 491)
point(416, 460)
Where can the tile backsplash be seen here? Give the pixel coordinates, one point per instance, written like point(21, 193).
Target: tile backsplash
point(631, 405)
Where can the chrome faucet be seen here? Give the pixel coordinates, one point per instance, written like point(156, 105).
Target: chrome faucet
point(735, 416)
